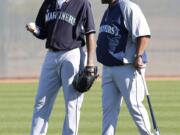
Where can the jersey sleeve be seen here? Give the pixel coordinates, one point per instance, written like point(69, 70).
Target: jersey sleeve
point(89, 25)
point(135, 21)
point(40, 22)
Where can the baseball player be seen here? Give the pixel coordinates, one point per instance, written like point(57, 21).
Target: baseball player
point(123, 36)
point(63, 23)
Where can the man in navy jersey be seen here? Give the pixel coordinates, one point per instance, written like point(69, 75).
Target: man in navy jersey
point(123, 37)
point(63, 23)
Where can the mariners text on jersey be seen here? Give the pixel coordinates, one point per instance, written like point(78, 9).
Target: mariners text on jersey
point(61, 16)
point(108, 29)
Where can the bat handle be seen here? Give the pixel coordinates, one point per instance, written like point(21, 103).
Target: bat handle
point(144, 82)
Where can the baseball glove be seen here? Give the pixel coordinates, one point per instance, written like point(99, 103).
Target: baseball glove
point(83, 80)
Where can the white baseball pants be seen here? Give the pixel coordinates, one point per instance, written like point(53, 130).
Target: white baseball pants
point(58, 70)
point(118, 83)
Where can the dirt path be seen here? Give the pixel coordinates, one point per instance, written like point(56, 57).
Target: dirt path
point(35, 79)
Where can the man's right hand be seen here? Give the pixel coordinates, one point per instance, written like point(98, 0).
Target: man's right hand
point(32, 28)
point(139, 63)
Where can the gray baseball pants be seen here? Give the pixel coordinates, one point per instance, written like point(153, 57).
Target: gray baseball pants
point(118, 83)
point(58, 71)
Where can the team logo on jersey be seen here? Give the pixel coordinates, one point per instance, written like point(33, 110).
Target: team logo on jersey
point(108, 29)
point(61, 16)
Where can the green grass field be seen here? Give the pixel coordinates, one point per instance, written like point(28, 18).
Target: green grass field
point(16, 104)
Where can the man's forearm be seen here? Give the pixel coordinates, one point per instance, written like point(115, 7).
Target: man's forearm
point(142, 43)
point(91, 45)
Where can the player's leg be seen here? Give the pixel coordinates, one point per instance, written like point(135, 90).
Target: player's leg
point(144, 127)
point(73, 99)
point(133, 93)
point(49, 85)
point(111, 102)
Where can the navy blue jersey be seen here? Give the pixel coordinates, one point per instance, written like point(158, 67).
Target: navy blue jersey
point(65, 28)
point(112, 39)
point(122, 23)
